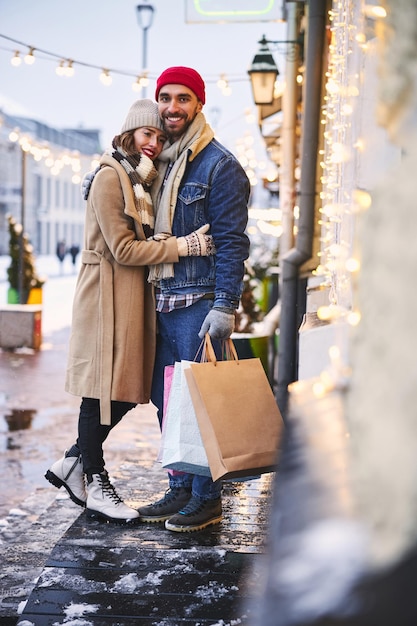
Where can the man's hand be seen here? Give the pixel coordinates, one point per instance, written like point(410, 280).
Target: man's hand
point(219, 324)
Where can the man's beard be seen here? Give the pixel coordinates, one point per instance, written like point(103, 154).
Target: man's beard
point(174, 135)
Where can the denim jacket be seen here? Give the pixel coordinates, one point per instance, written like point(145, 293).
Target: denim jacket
point(214, 190)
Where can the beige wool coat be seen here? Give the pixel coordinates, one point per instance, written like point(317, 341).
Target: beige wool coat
point(113, 334)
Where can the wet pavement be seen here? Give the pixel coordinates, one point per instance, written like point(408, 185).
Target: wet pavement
point(106, 574)
point(32, 389)
point(59, 567)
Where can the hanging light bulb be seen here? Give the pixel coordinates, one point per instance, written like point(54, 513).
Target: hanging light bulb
point(136, 85)
point(25, 144)
point(141, 82)
point(105, 77)
point(14, 135)
point(60, 70)
point(69, 70)
point(374, 11)
point(16, 60)
point(29, 58)
point(222, 82)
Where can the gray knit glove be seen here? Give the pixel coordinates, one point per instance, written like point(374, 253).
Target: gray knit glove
point(86, 183)
point(219, 323)
point(196, 243)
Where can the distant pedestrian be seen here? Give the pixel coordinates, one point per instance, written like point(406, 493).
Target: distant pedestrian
point(113, 336)
point(61, 251)
point(74, 250)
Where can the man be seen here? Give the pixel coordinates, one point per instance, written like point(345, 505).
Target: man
point(200, 182)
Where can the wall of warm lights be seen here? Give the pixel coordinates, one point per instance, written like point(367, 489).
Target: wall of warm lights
point(351, 25)
point(340, 198)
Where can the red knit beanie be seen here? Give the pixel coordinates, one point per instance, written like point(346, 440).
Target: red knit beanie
point(182, 76)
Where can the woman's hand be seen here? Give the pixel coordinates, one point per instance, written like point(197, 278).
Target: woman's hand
point(196, 243)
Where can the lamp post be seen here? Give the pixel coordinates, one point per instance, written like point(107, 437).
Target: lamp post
point(144, 14)
point(22, 298)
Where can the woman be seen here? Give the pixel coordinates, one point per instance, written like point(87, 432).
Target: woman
point(112, 345)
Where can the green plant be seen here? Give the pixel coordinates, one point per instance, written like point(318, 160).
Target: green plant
point(30, 278)
point(249, 310)
point(264, 254)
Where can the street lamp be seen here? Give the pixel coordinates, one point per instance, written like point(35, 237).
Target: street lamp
point(145, 18)
point(263, 73)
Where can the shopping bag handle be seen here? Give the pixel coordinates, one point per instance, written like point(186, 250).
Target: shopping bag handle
point(228, 349)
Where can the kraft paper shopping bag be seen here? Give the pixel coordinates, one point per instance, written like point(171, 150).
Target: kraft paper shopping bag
point(240, 422)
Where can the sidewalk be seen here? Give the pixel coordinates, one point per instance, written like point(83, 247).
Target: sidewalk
point(107, 574)
point(58, 567)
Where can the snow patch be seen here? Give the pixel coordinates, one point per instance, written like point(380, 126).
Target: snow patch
point(75, 611)
point(212, 590)
point(130, 582)
point(18, 513)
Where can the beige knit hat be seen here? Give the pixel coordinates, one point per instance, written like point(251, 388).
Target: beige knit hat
point(142, 113)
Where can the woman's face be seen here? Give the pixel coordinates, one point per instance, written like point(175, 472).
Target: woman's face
point(149, 141)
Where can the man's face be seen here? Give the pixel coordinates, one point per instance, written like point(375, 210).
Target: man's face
point(178, 107)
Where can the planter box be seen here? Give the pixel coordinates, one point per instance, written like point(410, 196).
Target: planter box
point(33, 297)
point(20, 326)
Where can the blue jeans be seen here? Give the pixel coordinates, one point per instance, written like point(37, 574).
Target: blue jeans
point(178, 339)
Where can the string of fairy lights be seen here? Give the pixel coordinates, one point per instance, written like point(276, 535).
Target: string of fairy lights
point(341, 200)
point(66, 67)
point(55, 163)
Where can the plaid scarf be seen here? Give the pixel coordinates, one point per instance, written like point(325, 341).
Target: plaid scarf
point(142, 173)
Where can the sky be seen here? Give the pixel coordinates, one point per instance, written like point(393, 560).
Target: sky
point(106, 33)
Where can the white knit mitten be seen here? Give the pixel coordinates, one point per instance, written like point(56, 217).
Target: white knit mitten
point(196, 243)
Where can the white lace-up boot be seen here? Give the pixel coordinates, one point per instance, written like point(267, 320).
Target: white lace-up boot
point(68, 472)
point(104, 502)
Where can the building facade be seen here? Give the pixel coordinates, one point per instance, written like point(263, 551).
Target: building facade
point(40, 173)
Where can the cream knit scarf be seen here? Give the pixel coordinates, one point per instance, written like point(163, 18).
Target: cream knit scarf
point(142, 173)
point(164, 192)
